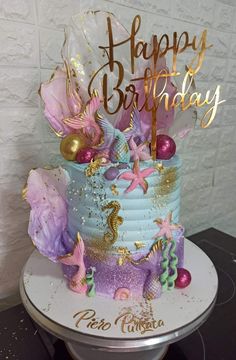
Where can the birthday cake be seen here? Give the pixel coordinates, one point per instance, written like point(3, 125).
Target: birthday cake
point(109, 212)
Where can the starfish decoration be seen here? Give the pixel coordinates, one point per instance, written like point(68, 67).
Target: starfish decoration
point(137, 152)
point(137, 177)
point(166, 227)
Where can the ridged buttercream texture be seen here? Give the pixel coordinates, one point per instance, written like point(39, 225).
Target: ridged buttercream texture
point(89, 197)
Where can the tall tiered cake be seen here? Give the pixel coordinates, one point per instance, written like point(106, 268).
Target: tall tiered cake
point(110, 212)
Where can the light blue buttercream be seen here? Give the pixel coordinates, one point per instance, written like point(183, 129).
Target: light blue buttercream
point(87, 196)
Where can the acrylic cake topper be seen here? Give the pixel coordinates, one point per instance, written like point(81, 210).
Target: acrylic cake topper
point(128, 72)
point(108, 68)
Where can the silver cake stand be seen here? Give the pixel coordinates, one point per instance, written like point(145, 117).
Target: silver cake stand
point(93, 328)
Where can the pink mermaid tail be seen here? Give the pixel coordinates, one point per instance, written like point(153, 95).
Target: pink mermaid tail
point(78, 281)
point(86, 121)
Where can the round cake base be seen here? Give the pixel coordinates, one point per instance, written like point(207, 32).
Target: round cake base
point(78, 352)
point(94, 327)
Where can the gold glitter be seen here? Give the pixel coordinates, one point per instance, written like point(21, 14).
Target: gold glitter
point(98, 250)
point(93, 166)
point(114, 189)
point(167, 182)
point(159, 167)
point(113, 221)
point(139, 245)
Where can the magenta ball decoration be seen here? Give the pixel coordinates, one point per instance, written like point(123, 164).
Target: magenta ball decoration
point(85, 155)
point(166, 147)
point(183, 279)
point(111, 173)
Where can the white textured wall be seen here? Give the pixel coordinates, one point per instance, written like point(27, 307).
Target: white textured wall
point(31, 35)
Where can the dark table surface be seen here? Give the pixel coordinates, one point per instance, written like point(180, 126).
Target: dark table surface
point(22, 339)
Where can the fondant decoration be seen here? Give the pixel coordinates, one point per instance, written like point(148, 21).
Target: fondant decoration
point(173, 266)
point(85, 155)
point(137, 177)
point(90, 282)
point(61, 99)
point(125, 255)
point(86, 121)
point(116, 141)
point(169, 266)
point(111, 173)
point(113, 222)
point(71, 144)
point(183, 279)
point(152, 286)
point(123, 166)
point(166, 147)
point(103, 157)
point(138, 152)
point(46, 194)
point(122, 294)
point(139, 245)
point(135, 125)
point(78, 281)
point(93, 167)
point(166, 227)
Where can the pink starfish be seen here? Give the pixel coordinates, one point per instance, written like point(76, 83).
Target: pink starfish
point(137, 177)
point(137, 152)
point(77, 282)
point(166, 227)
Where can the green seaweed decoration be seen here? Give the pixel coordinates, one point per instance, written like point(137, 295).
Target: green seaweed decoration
point(169, 266)
point(90, 282)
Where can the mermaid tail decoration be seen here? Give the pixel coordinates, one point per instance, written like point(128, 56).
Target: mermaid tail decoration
point(169, 266)
point(134, 128)
point(116, 140)
point(152, 288)
point(86, 121)
point(78, 281)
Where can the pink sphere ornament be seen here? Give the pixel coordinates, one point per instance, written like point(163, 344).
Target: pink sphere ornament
point(85, 155)
point(183, 279)
point(166, 147)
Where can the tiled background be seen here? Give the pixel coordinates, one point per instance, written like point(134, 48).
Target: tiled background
point(31, 35)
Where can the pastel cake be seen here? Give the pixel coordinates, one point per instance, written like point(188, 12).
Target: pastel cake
point(120, 230)
point(108, 211)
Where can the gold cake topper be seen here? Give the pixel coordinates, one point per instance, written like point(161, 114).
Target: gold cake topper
point(153, 97)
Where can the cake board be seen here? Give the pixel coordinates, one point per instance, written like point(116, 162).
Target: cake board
point(96, 327)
